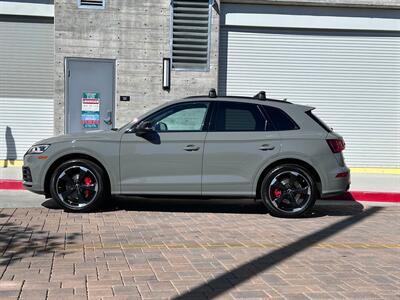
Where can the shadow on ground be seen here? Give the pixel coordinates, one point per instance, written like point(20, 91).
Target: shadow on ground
point(230, 279)
point(232, 206)
point(20, 240)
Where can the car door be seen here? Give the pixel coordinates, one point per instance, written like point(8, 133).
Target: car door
point(239, 143)
point(167, 160)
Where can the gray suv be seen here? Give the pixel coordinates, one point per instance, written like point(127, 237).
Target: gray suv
point(205, 146)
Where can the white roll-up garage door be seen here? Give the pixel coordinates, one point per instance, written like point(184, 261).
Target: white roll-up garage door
point(351, 77)
point(26, 83)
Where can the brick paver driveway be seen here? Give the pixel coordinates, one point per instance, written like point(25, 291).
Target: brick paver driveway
point(199, 250)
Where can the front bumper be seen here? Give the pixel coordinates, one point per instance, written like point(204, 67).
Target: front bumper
point(33, 172)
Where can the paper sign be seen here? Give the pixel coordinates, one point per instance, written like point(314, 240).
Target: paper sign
point(90, 115)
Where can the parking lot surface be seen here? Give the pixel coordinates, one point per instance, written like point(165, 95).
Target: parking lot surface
point(199, 249)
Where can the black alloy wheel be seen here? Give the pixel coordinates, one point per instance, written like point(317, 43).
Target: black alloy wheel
point(78, 185)
point(288, 191)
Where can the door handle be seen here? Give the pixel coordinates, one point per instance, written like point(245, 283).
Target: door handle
point(191, 148)
point(266, 147)
point(108, 120)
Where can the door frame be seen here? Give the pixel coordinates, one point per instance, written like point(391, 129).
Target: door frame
point(66, 86)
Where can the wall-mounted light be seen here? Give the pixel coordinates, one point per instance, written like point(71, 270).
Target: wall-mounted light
point(166, 80)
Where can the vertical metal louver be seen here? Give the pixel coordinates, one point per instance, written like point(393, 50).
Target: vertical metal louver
point(352, 77)
point(26, 84)
point(190, 34)
point(91, 3)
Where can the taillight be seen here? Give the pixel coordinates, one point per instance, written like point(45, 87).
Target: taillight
point(342, 174)
point(336, 145)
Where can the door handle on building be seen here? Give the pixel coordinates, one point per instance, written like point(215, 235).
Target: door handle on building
point(266, 147)
point(191, 148)
point(108, 120)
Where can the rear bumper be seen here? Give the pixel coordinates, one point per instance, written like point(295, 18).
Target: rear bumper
point(336, 185)
point(336, 193)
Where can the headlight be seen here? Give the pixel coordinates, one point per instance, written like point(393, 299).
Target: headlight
point(37, 149)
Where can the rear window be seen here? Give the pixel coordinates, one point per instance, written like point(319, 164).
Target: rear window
point(319, 121)
point(280, 120)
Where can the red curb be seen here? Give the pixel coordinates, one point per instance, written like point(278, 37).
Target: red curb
point(349, 196)
point(368, 196)
point(11, 185)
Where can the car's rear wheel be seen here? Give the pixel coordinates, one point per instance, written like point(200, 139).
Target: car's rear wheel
point(288, 190)
point(78, 185)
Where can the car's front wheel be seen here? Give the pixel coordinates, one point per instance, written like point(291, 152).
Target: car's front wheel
point(78, 185)
point(288, 190)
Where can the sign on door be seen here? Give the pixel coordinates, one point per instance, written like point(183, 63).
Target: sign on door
point(90, 113)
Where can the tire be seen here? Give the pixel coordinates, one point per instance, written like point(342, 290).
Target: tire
point(78, 185)
point(288, 191)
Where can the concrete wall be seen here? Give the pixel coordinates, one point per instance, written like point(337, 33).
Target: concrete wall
point(137, 34)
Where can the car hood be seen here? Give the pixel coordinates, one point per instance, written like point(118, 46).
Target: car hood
point(94, 135)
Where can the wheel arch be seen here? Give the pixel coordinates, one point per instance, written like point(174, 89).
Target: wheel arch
point(67, 157)
point(295, 161)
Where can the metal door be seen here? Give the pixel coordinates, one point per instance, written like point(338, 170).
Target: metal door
point(26, 83)
point(89, 94)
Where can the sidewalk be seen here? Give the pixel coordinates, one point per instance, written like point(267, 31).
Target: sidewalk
point(375, 182)
point(11, 173)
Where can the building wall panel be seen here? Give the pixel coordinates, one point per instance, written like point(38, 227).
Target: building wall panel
point(137, 35)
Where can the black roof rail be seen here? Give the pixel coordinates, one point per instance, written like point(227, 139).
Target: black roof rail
point(212, 93)
point(260, 95)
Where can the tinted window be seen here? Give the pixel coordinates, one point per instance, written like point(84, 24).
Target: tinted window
point(280, 119)
point(232, 116)
point(181, 117)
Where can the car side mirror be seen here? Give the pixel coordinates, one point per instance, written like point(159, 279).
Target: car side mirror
point(144, 128)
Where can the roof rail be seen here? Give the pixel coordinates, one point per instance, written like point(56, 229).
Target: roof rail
point(212, 93)
point(260, 95)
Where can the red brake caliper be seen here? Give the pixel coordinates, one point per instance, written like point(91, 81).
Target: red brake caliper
point(87, 181)
point(277, 193)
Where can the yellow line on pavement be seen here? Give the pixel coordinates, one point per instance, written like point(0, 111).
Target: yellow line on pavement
point(392, 171)
point(236, 245)
point(204, 246)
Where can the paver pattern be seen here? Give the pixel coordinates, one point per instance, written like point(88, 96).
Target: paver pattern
point(156, 249)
